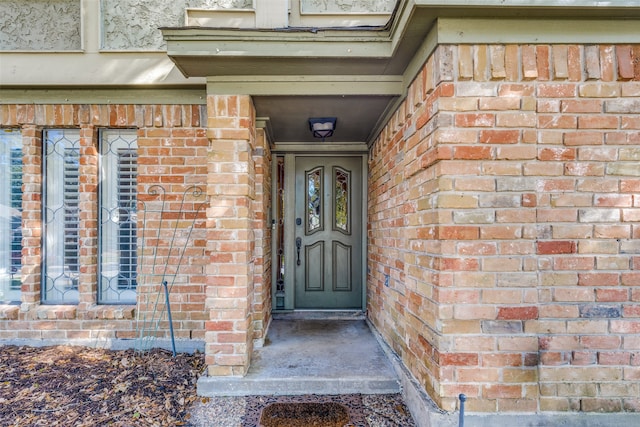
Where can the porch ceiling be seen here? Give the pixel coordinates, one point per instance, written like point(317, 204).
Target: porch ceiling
point(288, 116)
point(297, 73)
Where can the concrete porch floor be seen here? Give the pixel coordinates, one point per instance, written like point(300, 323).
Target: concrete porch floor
point(325, 355)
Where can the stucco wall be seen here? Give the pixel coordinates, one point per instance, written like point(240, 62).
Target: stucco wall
point(346, 6)
point(40, 25)
point(129, 25)
point(133, 24)
point(44, 25)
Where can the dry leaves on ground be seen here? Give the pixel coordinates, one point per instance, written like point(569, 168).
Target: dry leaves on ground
point(79, 386)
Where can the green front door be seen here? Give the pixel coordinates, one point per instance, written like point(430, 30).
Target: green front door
point(328, 233)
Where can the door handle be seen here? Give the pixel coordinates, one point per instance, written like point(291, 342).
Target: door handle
point(298, 246)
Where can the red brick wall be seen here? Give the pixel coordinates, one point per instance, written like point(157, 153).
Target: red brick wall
point(504, 218)
point(262, 207)
point(237, 234)
point(173, 149)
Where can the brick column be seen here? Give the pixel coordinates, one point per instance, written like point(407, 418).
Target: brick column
point(88, 229)
point(31, 216)
point(230, 220)
point(262, 205)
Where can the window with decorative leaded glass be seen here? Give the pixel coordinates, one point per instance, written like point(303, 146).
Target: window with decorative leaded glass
point(117, 234)
point(61, 164)
point(10, 215)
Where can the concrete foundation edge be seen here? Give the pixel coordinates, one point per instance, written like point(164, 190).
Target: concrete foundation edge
point(424, 410)
point(427, 414)
point(182, 346)
point(554, 419)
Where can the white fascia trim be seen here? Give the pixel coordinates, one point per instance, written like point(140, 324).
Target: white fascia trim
point(555, 4)
point(104, 96)
point(247, 45)
point(306, 85)
point(561, 31)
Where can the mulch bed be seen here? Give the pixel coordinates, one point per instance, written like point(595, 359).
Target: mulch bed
point(83, 387)
point(79, 386)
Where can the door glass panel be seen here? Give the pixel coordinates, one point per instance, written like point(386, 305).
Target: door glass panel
point(314, 200)
point(341, 208)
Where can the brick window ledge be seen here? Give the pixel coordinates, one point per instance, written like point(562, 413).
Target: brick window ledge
point(70, 312)
point(109, 312)
point(96, 312)
point(55, 312)
point(9, 312)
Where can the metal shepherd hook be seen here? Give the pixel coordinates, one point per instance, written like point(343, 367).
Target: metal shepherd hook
point(463, 399)
point(173, 340)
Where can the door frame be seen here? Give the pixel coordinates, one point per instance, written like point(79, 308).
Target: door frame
point(290, 153)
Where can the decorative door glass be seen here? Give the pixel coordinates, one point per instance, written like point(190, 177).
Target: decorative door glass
point(314, 200)
point(341, 202)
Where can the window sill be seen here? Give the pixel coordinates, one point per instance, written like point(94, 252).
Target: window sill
point(9, 312)
point(56, 312)
point(70, 312)
point(110, 312)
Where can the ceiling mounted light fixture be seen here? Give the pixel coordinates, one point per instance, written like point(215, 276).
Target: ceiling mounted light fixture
point(322, 127)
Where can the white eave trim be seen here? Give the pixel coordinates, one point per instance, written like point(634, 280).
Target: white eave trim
point(555, 4)
point(266, 85)
point(260, 44)
point(502, 31)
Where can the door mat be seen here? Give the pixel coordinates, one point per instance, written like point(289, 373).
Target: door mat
point(305, 414)
point(351, 403)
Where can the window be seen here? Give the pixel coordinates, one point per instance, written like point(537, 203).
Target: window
point(117, 230)
point(117, 244)
point(60, 216)
point(10, 215)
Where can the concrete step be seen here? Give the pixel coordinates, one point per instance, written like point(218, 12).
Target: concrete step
point(210, 386)
point(319, 315)
point(312, 357)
